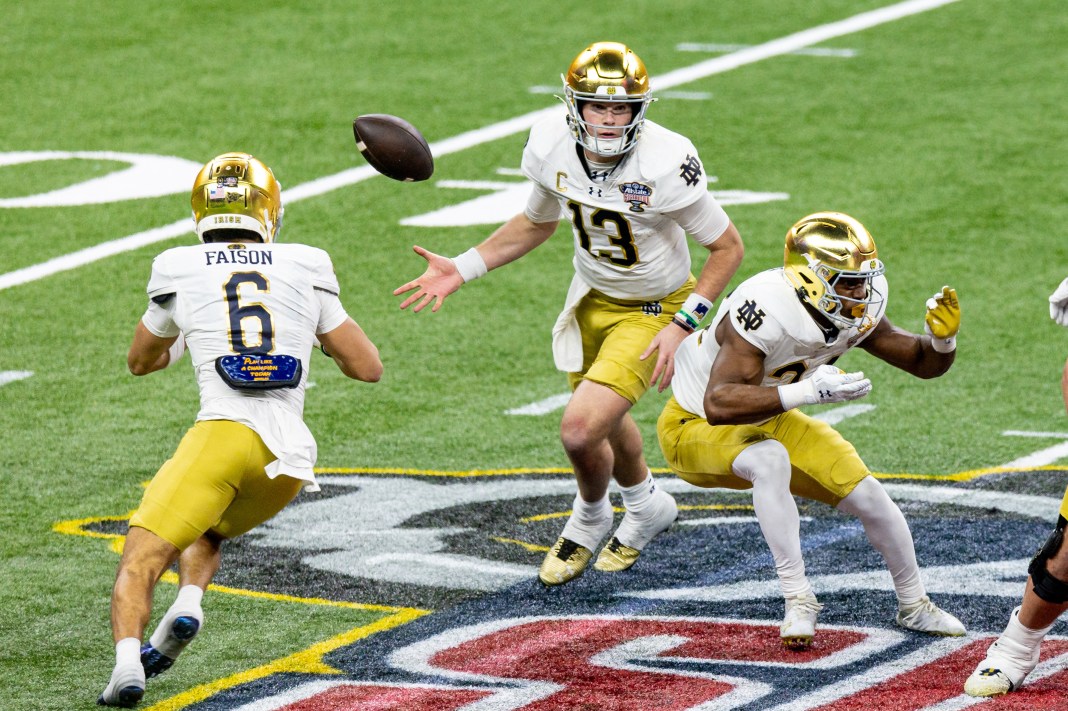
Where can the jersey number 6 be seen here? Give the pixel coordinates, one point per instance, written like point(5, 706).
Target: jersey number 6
point(239, 312)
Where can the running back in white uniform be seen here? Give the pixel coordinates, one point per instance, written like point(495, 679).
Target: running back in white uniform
point(767, 313)
point(244, 298)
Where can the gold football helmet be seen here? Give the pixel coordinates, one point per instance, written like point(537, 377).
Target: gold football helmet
point(826, 247)
point(606, 72)
point(237, 191)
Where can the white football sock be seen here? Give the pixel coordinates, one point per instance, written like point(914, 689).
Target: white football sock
point(589, 522)
point(128, 652)
point(189, 598)
point(1018, 632)
point(767, 465)
point(637, 497)
point(888, 531)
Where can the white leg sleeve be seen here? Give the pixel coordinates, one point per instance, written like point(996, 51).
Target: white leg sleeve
point(767, 465)
point(889, 533)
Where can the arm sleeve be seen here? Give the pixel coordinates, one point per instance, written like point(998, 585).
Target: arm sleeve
point(703, 219)
point(542, 205)
point(331, 313)
point(159, 319)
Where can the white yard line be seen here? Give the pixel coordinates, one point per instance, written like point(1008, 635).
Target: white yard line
point(1042, 457)
point(320, 186)
point(10, 376)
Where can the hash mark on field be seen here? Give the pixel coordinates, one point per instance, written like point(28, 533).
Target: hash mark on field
point(10, 376)
point(541, 407)
point(833, 417)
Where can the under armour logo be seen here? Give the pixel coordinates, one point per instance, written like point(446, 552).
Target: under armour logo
point(824, 394)
point(750, 316)
point(652, 308)
point(690, 171)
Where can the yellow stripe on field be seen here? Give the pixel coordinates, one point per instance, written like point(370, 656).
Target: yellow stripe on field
point(468, 473)
point(532, 547)
point(308, 661)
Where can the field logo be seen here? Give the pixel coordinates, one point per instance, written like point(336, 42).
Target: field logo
point(147, 176)
point(693, 625)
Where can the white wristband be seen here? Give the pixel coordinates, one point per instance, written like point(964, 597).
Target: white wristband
point(796, 394)
point(694, 309)
point(944, 345)
point(176, 350)
point(697, 305)
point(470, 265)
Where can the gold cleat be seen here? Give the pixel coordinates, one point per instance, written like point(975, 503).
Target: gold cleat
point(564, 562)
point(615, 557)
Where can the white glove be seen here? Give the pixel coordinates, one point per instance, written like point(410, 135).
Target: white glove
point(827, 384)
point(1058, 304)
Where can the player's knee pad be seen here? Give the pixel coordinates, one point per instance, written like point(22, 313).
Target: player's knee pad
point(767, 458)
point(1046, 586)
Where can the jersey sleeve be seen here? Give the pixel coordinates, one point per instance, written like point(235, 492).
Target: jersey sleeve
point(703, 219)
point(542, 205)
point(323, 276)
point(159, 319)
point(331, 312)
point(671, 161)
point(162, 281)
point(755, 321)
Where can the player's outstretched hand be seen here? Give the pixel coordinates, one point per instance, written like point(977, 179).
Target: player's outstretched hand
point(440, 279)
point(943, 314)
point(832, 384)
point(1058, 304)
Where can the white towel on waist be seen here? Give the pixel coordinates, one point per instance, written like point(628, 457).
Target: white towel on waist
point(567, 339)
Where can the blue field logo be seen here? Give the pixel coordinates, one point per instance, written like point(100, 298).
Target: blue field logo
point(693, 625)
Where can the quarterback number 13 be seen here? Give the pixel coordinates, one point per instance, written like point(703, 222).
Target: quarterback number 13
point(239, 312)
point(622, 238)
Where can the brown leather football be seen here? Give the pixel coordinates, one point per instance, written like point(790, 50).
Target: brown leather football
point(393, 147)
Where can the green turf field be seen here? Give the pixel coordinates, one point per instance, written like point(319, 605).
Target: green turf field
point(942, 131)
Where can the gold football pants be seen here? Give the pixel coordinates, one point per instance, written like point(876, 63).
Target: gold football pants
point(825, 467)
point(615, 332)
point(214, 482)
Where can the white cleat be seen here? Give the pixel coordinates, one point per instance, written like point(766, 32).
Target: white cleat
point(925, 616)
point(799, 625)
point(634, 533)
point(1006, 665)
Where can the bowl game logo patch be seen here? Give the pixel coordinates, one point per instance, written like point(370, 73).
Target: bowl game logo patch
point(637, 194)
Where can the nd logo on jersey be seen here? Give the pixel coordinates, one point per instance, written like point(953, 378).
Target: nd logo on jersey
point(693, 625)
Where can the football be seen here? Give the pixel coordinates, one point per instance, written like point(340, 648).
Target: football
point(393, 147)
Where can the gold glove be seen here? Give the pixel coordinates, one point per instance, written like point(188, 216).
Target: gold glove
point(943, 314)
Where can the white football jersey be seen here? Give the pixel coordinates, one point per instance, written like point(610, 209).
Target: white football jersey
point(625, 244)
point(232, 299)
point(766, 311)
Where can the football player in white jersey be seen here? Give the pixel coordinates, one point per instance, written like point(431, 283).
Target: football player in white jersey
point(1015, 653)
point(732, 420)
point(632, 191)
point(249, 310)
